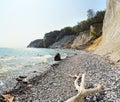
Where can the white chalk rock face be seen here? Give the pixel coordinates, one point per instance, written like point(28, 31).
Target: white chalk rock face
point(110, 45)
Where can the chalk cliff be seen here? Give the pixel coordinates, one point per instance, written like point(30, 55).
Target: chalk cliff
point(38, 43)
point(78, 36)
point(81, 39)
point(63, 42)
point(110, 45)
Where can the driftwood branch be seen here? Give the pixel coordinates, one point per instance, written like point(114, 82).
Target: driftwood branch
point(82, 91)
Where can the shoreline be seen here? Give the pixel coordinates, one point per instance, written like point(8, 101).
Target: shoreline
point(13, 65)
point(55, 84)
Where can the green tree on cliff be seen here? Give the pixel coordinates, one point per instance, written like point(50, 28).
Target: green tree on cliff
point(90, 13)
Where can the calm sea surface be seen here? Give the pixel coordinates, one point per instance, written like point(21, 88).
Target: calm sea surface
point(15, 62)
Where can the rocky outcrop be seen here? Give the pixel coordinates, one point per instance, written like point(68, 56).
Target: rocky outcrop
point(110, 45)
point(36, 44)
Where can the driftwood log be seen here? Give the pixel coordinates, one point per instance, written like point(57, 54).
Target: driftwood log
point(82, 91)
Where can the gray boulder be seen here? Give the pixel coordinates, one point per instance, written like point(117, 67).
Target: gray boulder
point(57, 57)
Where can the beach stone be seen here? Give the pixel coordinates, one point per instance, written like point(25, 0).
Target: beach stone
point(19, 79)
point(57, 57)
point(22, 77)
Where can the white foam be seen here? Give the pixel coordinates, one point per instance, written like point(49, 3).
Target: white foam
point(43, 58)
point(1, 83)
point(8, 58)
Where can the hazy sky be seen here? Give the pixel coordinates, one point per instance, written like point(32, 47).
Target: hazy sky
point(22, 21)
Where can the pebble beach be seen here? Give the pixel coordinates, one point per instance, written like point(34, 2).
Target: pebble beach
point(56, 84)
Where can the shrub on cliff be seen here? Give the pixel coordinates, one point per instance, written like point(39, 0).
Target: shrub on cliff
point(99, 16)
point(85, 25)
point(68, 31)
point(90, 13)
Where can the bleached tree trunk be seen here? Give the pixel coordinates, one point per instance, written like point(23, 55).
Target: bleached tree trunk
point(82, 91)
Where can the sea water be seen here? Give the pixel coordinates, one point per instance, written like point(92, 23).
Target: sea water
point(15, 62)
